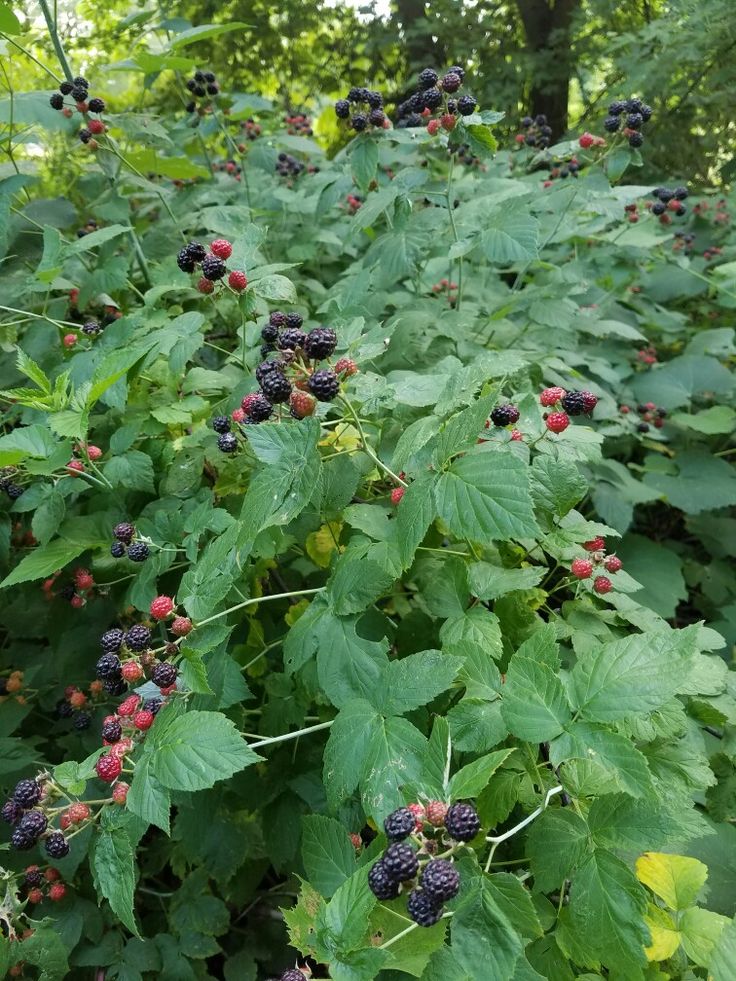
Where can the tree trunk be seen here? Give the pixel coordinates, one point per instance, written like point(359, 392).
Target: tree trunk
point(547, 26)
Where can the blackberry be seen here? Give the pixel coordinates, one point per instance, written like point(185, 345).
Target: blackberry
point(57, 101)
point(269, 333)
point(276, 387)
point(213, 89)
point(359, 121)
point(526, 122)
point(56, 845)
point(91, 328)
point(153, 705)
point(112, 731)
point(399, 824)
point(380, 882)
point(643, 427)
point(164, 674)
point(81, 81)
point(320, 343)
point(209, 77)
point(505, 415)
point(83, 720)
point(11, 811)
point(292, 974)
point(197, 251)
point(456, 70)
point(573, 403)
point(138, 637)
point(33, 824)
point(85, 135)
point(64, 710)
point(290, 339)
point(14, 491)
point(27, 793)
point(190, 106)
point(427, 78)
point(400, 861)
point(22, 841)
point(462, 822)
point(213, 268)
point(440, 880)
point(108, 666)
point(634, 120)
point(185, 261)
point(664, 194)
point(260, 408)
point(227, 443)
point(611, 124)
point(616, 108)
point(422, 909)
point(451, 82)
point(33, 876)
point(265, 368)
point(294, 320)
point(124, 532)
point(342, 108)
point(374, 99)
point(66, 87)
point(277, 318)
point(433, 98)
point(636, 140)
point(659, 208)
point(662, 413)
point(466, 105)
point(113, 686)
point(324, 385)
point(221, 424)
point(357, 94)
point(117, 550)
point(78, 93)
point(96, 105)
point(377, 117)
point(138, 552)
point(191, 84)
point(633, 105)
point(681, 193)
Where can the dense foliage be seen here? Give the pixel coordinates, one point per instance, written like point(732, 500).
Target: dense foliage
point(368, 599)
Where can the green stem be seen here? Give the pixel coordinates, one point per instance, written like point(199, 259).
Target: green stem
point(455, 236)
point(55, 40)
point(260, 599)
point(39, 316)
point(366, 447)
point(290, 735)
point(28, 54)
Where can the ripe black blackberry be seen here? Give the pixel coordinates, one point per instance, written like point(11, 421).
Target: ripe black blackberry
point(111, 640)
point(359, 121)
point(96, 105)
point(451, 82)
point(358, 94)
point(290, 339)
point(617, 107)
point(432, 98)
point(11, 811)
point(164, 674)
point(277, 318)
point(636, 140)
point(324, 385)
point(611, 124)
point(138, 552)
point(79, 94)
point(634, 120)
point(81, 81)
point(213, 268)
point(320, 343)
point(112, 731)
point(91, 328)
point(399, 824)
point(56, 845)
point(14, 491)
point(27, 793)
point(260, 408)
point(377, 117)
point(292, 974)
point(440, 880)
point(462, 822)
point(63, 709)
point(633, 105)
point(573, 403)
point(57, 101)
point(197, 251)
point(33, 824)
point(466, 105)
point(117, 550)
point(138, 637)
point(646, 111)
point(21, 841)
point(221, 424)
point(342, 108)
point(276, 387)
point(85, 135)
point(400, 861)
point(108, 666)
point(380, 883)
point(124, 531)
point(213, 88)
point(422, 909)
point(33, 876)
point(681, 193)
point(294, 320)
point(374, 99)
point(265, 368)
point(83, 720)
point(427, 78)
point(185, 260)
point(227, 443)
point(659, 208)
point(153, 705)
point(66, 87)
point(456, 70)
point(505, 415)
point(643, 427)
point(269, 333)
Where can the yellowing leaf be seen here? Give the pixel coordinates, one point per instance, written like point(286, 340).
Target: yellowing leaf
point(665, 938)
point(295, 611)
point(674, 878)
point(322, 543)
point(342, 438)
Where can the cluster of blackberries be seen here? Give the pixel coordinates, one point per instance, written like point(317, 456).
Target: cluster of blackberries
point(684, 242)
point(126, 657)
point(567, 404)
point(288, 165)
point(124, 533)
point(299, 124)
point(229, 166)
point(432, 97)
point(78, 90)
point(562, 169)
point(667, 199)
point(75, 703)
point(446, 288)
point(629, 116)
point(649, 414)
point(213, 265)
point(537, 132)
point(583, 568)
point(434, 880)
point(202, 85)
point(47, 884)
point(466, 156)
point(251, 130)
point(8, 485)
point(363, 109)
point(30, 822)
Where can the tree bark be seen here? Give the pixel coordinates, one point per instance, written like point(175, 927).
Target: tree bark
point(547, 26)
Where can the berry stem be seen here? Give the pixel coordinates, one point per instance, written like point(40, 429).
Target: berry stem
point(56, 40)
point(260, 599)
point(290, 735)
point(40, 316)
point(496, 840)
point(455, 236)
point(410, 929)
point(379, 463)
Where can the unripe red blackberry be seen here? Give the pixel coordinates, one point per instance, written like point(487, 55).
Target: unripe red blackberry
point(602, 585)
point(57, 892)
point(422, 908)
point(78, 812)
point(396, 495)
point(221, 248)
point(237, 280)
point(436, 812)
point(581, 568)
point(181, 626)
point(108, 768)
point(301, 404)
point(324, 385)
point(590, 401)
point(120, 792)
point(35, 896)
point(143, 720)
point(346, 366)
point(557, 422)
point(613, 563)
point(595, 544)
point(131, 672)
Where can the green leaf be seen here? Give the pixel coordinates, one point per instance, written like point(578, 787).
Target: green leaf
point(556, 845)
point(484, 943)
point(613, 754)
point(149, 799)
point(700, 931)
point(9, 23)
point(510, 236)
point(364, 160)
point(490, 581)
point(486, 495)
point(473, 778)
point(415, 680)
point(415, 514)
point(607, 905)
point(356, 583)
point(410, 954)
point(44, 561)
point(347, 749)
point(45, 949)
point(327, 852)
point(703, 483)
point(345, 918)
point(198, 749)
point(557, 485)
point(204, 32)
point(713, 421)
point(32, 442)
point(394, 758)
point(534, 705)
point(114, 872)
point(723, 956)
point(177, 168)
point(348, 665)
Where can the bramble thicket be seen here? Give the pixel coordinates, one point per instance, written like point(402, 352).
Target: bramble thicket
point(368, 599)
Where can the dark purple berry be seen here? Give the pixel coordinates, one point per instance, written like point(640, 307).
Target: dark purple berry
point(440, 880)
point(108, 666)
point(505, 415)
point(124, 532)
point(56, 845)
point(276, 387)
point(422, 909)
point(164, 674)
point(27, 793)
point(399, 824)
point(380, 882)
point(324, 385)
point(462, 822)
point(138, 637)
point(227, 443)
point(400, 861)
point(138, 552)
point(320, 343)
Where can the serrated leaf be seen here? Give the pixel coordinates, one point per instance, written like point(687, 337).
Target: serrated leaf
point(556, 845)
point(474, 777)
point(676, 879)
point(415, 680)
point(534, 706)
point(327, 852)
point(347, 749)
point(114, 871)
point(614, 754)
point(44, 561)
